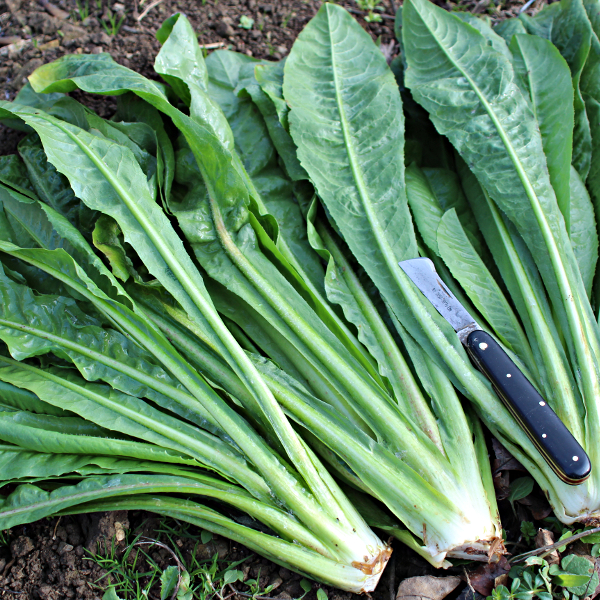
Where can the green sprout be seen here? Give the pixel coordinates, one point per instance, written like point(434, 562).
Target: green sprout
point(246, 22)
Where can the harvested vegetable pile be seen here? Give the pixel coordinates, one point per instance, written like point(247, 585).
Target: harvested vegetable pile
point(202, 309)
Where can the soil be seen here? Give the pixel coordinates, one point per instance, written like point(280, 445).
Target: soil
point(40, 35)
point(50, 559)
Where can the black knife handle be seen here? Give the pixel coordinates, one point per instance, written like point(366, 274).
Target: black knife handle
point(554, 441)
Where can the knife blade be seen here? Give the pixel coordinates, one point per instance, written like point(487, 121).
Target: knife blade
point(560, 449)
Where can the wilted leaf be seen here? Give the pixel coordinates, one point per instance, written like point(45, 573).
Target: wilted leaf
point(546, 538)
point(483, 578)
point(504, 460)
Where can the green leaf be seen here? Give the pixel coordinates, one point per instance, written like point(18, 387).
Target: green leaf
point(569, 580)
point(118, 412)
point(321, 594)
point(106, 238)
point(232, 575)
point(182, 54)
point(344, 287)
point(266, 93)
point(547, 79)
point(582, 567)
point(132, 109)
point(228, 72)
point(520, 488)
point(51, 187)
point(571, 34)
point(593, 538)
point(168, 580)
point(305, 585)
point(13, 173)
point(111, 594)
point(509, 27)
point(582, 231)
point(206, 536)
point(541, 24)
point(334, 46)
point(344, 157)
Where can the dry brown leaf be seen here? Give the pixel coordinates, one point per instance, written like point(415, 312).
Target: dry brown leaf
point(546, 538)
point(483, 578)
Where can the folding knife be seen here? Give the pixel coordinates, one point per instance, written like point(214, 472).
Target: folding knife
point(551, 437)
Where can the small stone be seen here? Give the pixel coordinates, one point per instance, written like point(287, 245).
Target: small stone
point(101, 38)
point(118, 7)
point(49, 45)
point(227, 20)
point(72, 32)
point(249, 53)
point(43, 23)
point(97, 50)
point(275, 583)
point(91, 22)
point(282, 50)
point(13, 5)
point(74, 534)
point(119, 531)
point(45, 592)
point(63, 548)
point(224, 29)
point(22, 546)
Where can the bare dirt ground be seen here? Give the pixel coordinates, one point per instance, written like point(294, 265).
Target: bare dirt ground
point(49, 559)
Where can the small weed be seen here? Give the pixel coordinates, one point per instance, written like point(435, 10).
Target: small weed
point(246, 22)
point(287, 18)
point(370, 6)
point(528, 530)
point(112, 25)
point(572, 580)
point(83, 10)
point(132, 573)
point(5, 538)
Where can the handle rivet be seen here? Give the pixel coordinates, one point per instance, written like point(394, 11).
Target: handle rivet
point(542, 403)
point(508, 375)
point(544, 435)
point(576, 458)
point(483, 345)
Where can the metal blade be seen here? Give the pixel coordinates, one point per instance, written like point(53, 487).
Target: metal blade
point(423, 274)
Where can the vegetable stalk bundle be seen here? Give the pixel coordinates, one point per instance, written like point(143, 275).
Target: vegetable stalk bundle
point(216, 341)
point(201, 297)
